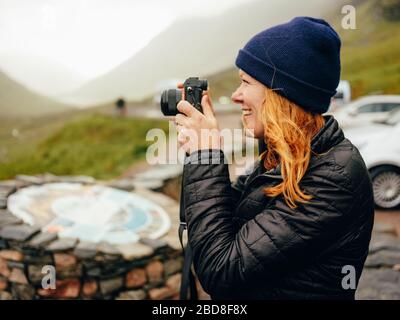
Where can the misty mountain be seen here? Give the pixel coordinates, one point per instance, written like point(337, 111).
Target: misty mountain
point(193, 47)
point(39, 74)
point(16, 100)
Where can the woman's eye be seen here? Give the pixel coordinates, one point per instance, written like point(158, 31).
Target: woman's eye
point(245, 81)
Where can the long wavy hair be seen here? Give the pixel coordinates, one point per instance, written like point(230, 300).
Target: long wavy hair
point(288, 131)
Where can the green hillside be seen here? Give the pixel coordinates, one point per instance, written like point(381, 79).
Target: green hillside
point(370, 54)
point(99, 146)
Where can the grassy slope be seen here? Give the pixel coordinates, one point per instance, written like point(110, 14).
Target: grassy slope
point(100, 146)
point(32, 130)
point(370, 54)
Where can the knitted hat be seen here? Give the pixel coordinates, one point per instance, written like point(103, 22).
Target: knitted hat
point(299, 59)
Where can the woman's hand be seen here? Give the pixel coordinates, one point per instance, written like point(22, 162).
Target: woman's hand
point(196, 130)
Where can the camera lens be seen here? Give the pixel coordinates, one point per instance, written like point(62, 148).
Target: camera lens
point(169, 101)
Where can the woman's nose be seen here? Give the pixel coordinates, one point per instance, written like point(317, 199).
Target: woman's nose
point(236, 97)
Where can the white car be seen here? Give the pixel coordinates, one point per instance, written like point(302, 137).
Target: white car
point(379, 146)
point(366, 110)
point(342, 96)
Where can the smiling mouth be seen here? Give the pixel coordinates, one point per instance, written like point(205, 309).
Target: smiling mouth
point(247, 112)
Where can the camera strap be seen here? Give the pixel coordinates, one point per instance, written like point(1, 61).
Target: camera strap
point(188, 278)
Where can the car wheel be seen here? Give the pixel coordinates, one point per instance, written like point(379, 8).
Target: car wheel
point(386, 186)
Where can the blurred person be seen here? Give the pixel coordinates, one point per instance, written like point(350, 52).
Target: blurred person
point(290, 227)
point(121, 107)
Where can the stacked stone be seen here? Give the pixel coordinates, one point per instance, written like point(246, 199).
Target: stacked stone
point(148, 269)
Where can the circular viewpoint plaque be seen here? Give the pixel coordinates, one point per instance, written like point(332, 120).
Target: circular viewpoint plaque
point(89, 212)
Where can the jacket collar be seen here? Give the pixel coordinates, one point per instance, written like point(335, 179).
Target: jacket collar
point(329, 136)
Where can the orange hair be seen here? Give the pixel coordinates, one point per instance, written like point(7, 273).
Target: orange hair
point(288, 130)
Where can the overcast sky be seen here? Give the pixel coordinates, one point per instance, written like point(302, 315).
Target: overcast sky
point(92, 36)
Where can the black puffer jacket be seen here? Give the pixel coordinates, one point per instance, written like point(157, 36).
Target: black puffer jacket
point(249, 246)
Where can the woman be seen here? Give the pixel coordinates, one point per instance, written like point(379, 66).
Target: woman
point(300, 223)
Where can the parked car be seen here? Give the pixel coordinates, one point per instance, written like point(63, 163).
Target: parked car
point(342, 96)
point(379, 146)
point(366, 110)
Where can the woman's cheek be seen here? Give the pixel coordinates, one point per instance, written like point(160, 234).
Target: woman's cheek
point(248, 124)
point(257, 126)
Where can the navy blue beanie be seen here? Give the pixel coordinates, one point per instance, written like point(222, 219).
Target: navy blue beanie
point(299, 59)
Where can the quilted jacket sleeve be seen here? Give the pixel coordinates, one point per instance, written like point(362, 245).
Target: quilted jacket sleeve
point(274, 242)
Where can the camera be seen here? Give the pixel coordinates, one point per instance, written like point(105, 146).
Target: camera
point(193, 87)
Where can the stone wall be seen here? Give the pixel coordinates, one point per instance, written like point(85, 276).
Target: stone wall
point(82, 274)
point(148, 269)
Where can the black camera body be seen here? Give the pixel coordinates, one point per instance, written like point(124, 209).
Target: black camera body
point(193, 88)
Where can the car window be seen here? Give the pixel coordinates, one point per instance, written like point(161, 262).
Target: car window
point(373, 107)
point(339, 95)
point(386, 107)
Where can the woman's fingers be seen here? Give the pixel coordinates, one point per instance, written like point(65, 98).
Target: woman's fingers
point(180, 86)
point(182, 120)
point(181, 133)
point(171, 118)
point(208, 109)
point(187, 109)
